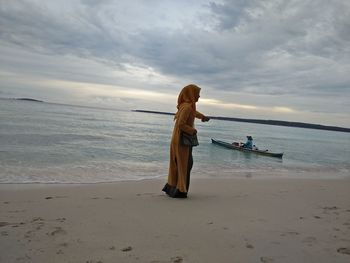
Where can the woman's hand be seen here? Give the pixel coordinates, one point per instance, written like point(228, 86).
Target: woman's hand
point(205, 119)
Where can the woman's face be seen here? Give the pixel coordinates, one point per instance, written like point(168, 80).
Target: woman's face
point(197, 96)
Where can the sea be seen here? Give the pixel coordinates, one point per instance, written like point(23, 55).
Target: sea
point(49, 143)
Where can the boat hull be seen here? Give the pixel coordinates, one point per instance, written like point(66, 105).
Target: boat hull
point(233, 147)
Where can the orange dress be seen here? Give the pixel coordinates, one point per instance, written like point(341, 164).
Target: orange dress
point(180, 155)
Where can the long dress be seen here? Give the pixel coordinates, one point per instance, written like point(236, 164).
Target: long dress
point(180, 155)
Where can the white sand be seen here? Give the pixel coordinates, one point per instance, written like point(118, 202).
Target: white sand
point(225, 220)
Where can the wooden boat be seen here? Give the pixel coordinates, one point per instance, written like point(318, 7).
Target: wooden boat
point(236, 147)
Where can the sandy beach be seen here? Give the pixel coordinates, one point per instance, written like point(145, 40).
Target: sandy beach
point(223, 220)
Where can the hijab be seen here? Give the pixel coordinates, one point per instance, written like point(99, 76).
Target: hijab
point(187, 96)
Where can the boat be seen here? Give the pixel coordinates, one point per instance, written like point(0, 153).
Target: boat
point(235, 146)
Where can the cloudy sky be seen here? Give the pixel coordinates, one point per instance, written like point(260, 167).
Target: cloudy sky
point(265, 59)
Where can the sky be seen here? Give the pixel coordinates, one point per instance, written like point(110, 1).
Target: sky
point(262, 59)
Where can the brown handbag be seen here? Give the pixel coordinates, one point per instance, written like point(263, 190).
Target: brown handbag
point(188, 139)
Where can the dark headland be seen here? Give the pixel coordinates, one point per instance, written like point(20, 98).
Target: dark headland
point(29, 99)
point(268, 122)
point(24, 99)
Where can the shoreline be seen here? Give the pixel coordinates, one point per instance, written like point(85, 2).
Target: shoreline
point(223, 220)
point(255, 175)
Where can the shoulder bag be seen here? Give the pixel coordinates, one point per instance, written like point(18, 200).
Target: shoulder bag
point(188, 139)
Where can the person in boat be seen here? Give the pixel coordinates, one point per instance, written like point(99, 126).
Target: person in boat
point(249, 143)
point(181, 155)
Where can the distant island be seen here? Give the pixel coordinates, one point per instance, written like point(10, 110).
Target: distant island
point(29, 99)
point(268, 122)
point(24, 99)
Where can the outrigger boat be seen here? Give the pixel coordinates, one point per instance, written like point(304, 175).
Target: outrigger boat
point(235, 146)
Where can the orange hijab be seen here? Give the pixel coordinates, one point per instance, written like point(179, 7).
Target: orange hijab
point(187, 96)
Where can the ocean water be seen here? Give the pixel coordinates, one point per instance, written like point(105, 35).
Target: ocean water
point(51, 143)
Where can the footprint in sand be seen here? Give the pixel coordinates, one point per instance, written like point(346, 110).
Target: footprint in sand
point(126, 249)
point(4, 224)
point(58, 230)
point(330, 209)
point(52, 197)
point(344, 250)
point(38, 222)
point(176, 260)
point(266, 260)
point(37, 219)
point(250, 246)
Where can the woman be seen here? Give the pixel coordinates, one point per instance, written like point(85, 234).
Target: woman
point(181, 155)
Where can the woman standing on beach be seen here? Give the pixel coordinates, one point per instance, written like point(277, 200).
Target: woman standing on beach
point(181, 155)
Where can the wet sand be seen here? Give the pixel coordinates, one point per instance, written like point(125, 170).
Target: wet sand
point(223, 220)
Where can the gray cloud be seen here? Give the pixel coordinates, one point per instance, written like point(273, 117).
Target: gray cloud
point(229, 13)
point(276, 48)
